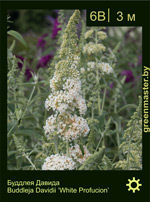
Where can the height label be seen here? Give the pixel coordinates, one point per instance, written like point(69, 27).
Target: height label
point(109, 16)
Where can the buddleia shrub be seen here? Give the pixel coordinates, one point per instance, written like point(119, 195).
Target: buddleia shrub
point(75, 114)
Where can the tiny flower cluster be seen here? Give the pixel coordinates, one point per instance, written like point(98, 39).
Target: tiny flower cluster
point(92, 48)
point(67, 99)
point(105, 68)
point(57, 162)
point(82, 70)
point(102, 35)
point(77, 155)
point(91, 65)
point(41, 41)
point(43, 62)
point(89, 33)
point(68, 127)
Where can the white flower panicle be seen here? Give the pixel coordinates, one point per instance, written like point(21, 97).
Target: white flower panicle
point(67, 99)
point(57, 162)
point(66, 96)
point(68, 127)
point(77, 155)
point(105, 68)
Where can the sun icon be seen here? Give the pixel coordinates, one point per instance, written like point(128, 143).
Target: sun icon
point(133, 185)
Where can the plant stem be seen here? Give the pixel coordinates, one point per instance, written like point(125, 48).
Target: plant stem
point(100, 141)
point(15, 99)
point(28, 101)
point(97, 78)
point(12, 128)
point(118, 138)
point(92, 111)
point(99, 104)
point(67, 148)
point(27, 157)
point(56, 143)
point(103, 101)
point(129, 151)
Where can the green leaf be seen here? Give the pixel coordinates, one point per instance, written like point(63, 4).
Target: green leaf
point(9, 153)
point(82, 149)
point(15, 102)
point(27, 132)
point(17, 36)
point(127, 106)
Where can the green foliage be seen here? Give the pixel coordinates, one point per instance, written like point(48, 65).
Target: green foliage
point(132, 142)
point(106, 164)
point(25, 112)
point(19, 146)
